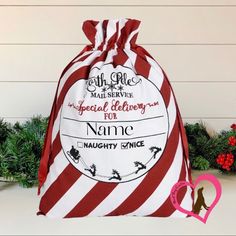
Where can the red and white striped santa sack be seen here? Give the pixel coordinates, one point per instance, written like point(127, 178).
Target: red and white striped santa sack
point(115, 143)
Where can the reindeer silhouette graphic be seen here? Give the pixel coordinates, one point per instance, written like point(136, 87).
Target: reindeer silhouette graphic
point(116, 175)
point(92, 170)
point(155, 150)
point(200, 202)
point(140, 166)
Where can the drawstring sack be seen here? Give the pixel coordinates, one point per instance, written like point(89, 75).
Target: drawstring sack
point(115, 143)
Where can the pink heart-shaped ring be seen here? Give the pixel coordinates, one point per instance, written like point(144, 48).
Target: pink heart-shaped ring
point(181, 184)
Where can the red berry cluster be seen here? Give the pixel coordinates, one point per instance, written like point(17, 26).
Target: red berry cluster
point(226, 160)
point(232, 141)
point(233, 126)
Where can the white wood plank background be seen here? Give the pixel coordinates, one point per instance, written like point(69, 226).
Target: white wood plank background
point(160, 25)
point(193, 40)
point(189, 63)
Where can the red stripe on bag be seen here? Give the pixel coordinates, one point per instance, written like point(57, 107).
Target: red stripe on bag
point(167, 207)
point(61, 185)
point(56, 148)
point(130, 26)
point(89, 29)
point(184, 140)
point(152, 179)
point(92, 199)
point(142, 67)
point(166, 91)
point(120, 58)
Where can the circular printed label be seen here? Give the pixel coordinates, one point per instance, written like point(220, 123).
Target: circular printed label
point(114, 124)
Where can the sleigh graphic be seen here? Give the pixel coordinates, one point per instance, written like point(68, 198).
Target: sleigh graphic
point(74, 154)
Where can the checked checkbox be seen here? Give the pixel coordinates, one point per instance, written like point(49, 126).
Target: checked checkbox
point(124, 145)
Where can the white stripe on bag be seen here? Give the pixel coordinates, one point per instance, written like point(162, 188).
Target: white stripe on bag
point(116, 197)
point(59, 164)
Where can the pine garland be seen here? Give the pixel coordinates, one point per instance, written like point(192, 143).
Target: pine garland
point(21, 151)
point(204, 149)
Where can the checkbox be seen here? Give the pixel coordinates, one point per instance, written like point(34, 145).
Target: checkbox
point(80, 144)
point(124, 145)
